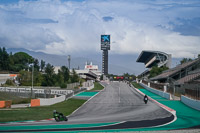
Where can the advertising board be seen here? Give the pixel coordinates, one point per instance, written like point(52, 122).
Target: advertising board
point(105, 42)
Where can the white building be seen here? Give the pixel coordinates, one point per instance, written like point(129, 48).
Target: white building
point(56, 68)
point(93, 68)
point(90, 72)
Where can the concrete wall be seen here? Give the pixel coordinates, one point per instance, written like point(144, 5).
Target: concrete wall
point(72, 85)
point(191, 102)
point(89, 84)
point(51, 101)
point(160, 93)
point(3, 78)
point(91, 87)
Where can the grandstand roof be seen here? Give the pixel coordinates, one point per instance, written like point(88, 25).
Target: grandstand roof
point(144, 55)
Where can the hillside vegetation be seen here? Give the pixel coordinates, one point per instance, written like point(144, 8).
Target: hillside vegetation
point(43, 74)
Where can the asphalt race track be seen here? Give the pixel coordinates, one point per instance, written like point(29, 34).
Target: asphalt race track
point(118, 102)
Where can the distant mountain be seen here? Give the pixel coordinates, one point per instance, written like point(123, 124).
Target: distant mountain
point(118, 64)
point(56, 60)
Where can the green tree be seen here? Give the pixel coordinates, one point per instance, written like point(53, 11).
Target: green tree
point(21, 61)
point(4, 59)
point(59, 78)
point(36, 65)
point(49, 76)
point(37, 78)
point(11, 61)
point(74, 77)
point(42, 65)
point(157, 70)
point(25, 78)
point(184, 60)
point(65, 72)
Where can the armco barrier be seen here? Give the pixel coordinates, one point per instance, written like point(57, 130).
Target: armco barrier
point(35, 102)
point(160, 93)
point(5, 104)
point(191, 102)
point(51, 101)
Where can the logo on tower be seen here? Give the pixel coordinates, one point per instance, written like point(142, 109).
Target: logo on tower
point(105, 42)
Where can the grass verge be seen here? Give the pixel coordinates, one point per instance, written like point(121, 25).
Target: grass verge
point(40, 113)
point(97, 87)
point(136, 85)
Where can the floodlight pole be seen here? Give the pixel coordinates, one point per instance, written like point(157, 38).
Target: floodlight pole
point(69, 59)
point(32, 81)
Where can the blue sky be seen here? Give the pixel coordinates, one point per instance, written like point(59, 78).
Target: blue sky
point(64, 26)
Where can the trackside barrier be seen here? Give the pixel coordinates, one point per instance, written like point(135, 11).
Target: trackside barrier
point(51, 101)
point(5, 104)
point(89, 84)
point(91, 87)
point(158, 92)
point(35, 102)
point(161, 105)
point(191, 102)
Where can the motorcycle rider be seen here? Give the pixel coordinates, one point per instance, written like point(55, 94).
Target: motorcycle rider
point(55, 112)
point(145, 99)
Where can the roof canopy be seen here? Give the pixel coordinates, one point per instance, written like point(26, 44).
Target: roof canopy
point(144, 55)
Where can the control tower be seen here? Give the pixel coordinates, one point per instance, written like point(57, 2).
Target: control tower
point(105, 46)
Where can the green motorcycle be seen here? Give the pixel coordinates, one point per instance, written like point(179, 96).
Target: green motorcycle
point(59, 116)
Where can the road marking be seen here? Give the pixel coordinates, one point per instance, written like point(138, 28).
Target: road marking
point(84, 103)
point(119, 95)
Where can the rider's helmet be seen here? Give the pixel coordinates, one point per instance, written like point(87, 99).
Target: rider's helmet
point(54, 111)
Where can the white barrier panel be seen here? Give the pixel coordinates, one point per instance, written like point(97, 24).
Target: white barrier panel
point(51, 101)
point(40, 91)
point(91, 87)
point(191, 102)
point(89, 83)
point(160, 93)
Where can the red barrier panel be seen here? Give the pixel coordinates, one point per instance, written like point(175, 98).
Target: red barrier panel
point(5, 104)
point(35, 102)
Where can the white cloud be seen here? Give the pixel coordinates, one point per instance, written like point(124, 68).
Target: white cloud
point(69, 27)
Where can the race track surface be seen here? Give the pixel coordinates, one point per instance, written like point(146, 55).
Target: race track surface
point(118, 103)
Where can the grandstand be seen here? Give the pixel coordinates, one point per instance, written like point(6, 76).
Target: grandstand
point(181, 74)
point(153, 58)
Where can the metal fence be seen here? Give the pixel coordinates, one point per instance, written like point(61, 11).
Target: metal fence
point(154, 85)
point(192, 90)
point(157, 86)
point(145, 82)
